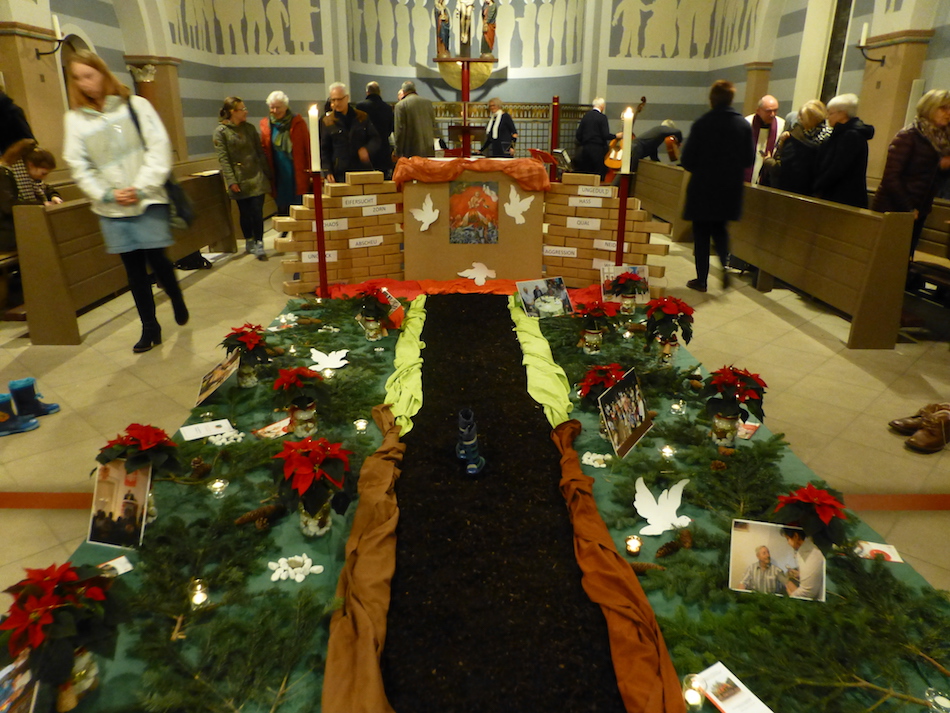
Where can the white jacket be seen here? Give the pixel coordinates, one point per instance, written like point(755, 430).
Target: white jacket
point(104, 152)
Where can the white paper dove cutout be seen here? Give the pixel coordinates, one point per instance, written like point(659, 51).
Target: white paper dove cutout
point(660, 512)
point(427, 214)
point(333, 360)
point(478, 272)
point(516, 205)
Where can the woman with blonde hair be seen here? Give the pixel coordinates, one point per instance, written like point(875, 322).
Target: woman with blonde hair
point(119, 154)
point(915, 155)
point(795, 162)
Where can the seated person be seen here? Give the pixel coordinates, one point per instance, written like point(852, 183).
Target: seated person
point(9, 195)
point(39, 162)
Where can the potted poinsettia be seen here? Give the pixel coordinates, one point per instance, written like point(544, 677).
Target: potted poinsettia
point(298, 390)
point(667, 319)
point(312, 481)
point(142, 446)
point(596, 381)
point(595, 323)
point(377, 314)
point(729, 392)
point(60, 618)
point(818, 512)
point(249, 341)
point(626, 286)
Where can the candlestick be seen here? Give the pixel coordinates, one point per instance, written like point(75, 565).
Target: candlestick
point(314, 115)
point(627, 140)
point(864, 35)
point(58, 33)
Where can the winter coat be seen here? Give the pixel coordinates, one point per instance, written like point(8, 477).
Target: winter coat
point(341, 138)
point(242, 159)
point(13, 123)
point(416, 127)
point(717, 153)
point(381, 114)
point(8, 199)
point(795, 164)
point(300, 140)
point(908, 181)
point(593, 138)
point(843, 164)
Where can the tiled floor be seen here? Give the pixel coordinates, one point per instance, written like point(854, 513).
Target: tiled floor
point(832, 403)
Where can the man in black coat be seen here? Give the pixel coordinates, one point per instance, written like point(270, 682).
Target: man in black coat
point(717, 154)
point(13, 123)
point(843, 158)
point(381, 114)
point(347, 137)
point(593, 139)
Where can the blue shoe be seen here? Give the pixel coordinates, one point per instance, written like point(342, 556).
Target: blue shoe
point(27, 400)
point(10, 422)
point(467, 447)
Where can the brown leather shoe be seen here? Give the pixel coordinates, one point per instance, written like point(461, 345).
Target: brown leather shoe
point(934, 435)
point(910, 425)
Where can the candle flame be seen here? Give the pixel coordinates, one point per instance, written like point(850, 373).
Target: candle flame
point(628, 114)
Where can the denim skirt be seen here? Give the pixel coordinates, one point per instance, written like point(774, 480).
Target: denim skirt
point(139, 232)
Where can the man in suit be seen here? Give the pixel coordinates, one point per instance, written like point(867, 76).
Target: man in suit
point(381, 114)
point(593, 139)
point(500, 134)
point(416, 127)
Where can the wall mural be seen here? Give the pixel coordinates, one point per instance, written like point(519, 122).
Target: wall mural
point(687, 29)
point(245, 26)
point(530, 33)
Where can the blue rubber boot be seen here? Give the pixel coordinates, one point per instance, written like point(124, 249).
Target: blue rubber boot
point(467, 447)
point(10, 422)
point(26, 399)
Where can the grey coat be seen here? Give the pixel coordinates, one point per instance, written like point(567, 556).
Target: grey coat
point(242, 159)
point(416, 127)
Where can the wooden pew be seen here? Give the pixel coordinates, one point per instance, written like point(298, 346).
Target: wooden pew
point(64, 266)
point(661, 188)
point(854, 260)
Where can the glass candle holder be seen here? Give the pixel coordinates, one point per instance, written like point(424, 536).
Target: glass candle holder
point(634, 545)
point(938, 700)
point(198, 593)
point(361, 424)
point(327, 374)
point(694, 691)
point(217, 487)
point(667, 451)
point(678, 408)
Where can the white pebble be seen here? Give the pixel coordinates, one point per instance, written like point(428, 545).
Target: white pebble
point(316, 569)
point(275, 576)
point(283, 574)
point(299, 577)
point(282, 561)
point(273, 565)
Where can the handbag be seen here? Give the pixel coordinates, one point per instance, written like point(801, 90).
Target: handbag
point(181, 209)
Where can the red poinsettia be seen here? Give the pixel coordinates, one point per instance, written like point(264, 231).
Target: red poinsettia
point(141, 437)
point(46, 580)
point(826, 505)
point(288, 379)
point(249, 339)
point(299, 386)
point(626, 284)
point(665, 317)
point(27, 621)
point(141, 446)
point(729, 387)
point(304, 461)
point(600, 378)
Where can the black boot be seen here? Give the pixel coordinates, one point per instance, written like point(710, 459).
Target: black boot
point(467, 447)
point(165, 272)
point(27, 400)
point(151, 337)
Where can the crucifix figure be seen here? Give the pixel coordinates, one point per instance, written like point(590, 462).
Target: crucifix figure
point(464, 10)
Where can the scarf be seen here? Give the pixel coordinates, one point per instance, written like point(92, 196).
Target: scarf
point(282, 141)
point(938, 137)
point(757, 126)
point(494, 123)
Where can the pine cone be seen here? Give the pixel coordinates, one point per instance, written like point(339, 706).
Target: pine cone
point(265, 514)
point(652, 414)
point(717, 465)
point(696, 384)
point(686, 539)
point(644, 567)
point(669, 548)
point(723, 451)
point(199, 469)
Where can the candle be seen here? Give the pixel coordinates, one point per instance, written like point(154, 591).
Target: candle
point(361, 424)
point(634, 544)
point(693, 688)
point(327, 373)
point(627, 140)
point(678, 408)
point(864, 35)
point(693, 697)
point(198, 593)
point(314, 139)
point(667, 451)
point(217, 487)
point(56, 31)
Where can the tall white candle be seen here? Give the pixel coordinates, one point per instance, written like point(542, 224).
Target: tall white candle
point(314, 115)
point(57, 33)
point(864, 35)
point(627, 140)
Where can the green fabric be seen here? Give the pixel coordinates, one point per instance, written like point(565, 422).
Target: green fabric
point(547, 382)
point(404, 386)
point(282, 140)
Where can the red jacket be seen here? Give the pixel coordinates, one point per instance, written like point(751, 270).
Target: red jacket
point(300, 139)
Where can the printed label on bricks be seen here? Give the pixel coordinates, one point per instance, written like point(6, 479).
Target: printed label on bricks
point(314, 256)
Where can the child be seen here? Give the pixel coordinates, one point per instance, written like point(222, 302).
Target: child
point(39, 162)
point(8, 191)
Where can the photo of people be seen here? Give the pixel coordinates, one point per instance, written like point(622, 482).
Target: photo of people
point(625, 413)
point(217, 376)
point(17, 686)
point(119, 505)
point(473, 212)
point(773, 559)
point(609, 272)
point(544, 298)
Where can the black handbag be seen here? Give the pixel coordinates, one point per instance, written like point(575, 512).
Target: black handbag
point(181, 209)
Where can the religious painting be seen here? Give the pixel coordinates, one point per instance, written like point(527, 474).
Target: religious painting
point(473, 212)
point(119, 505)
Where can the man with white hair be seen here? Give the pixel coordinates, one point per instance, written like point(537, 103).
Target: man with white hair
point(767, 127)
point(416, 127)
point(347, 137)
point(593, 140)
point(843, 158)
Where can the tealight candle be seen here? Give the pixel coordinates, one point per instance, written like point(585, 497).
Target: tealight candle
point(217, 487)
point(379, 349)
point(634, 544)
point(678, 408)
point(667, 451)
point(292, 350)
point(361, 424)
point(694, 688)
point(198, 593)
point(939, 701)
point(327, 373)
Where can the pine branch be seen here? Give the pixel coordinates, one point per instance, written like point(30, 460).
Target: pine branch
point(933, 662)
point(860, 683)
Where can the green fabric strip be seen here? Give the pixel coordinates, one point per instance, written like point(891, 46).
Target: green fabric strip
point(404, 386)
point(547, 382)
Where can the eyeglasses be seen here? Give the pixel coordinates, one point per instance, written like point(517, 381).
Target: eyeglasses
point(339, 99)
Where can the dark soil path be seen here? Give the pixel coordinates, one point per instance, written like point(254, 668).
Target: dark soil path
point(487, 613)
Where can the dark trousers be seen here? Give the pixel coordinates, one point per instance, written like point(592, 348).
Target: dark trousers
point(251, 211)
point(705, 231)
point(136, 264)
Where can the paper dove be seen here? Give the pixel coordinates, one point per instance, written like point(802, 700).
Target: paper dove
point(333, 360)
point(660, 513)
point(516, 205)
point(478, 272)
point(426, 215)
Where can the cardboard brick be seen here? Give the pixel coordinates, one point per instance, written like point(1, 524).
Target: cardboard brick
point(558, 220)
point(551, 261)
point(556, 198)
point(634, 237)
point(563, 231)
point(556, 209)
point(655, 227)
point(360, 178)
point(390, 249)
point(395, 259)
point(580, 179)
point(633, 203)
point(284, 224)
point(554, 239)
point(602, 213)
point(367, 261)
point(334, 190)
point(355, 273)
point(380, 270)
point(563, 189)
point(579, 201)
point(286, 245)
point(298, 287)
point(334, 213)
point(636, 215)
point(363, 221)
point(391, 219)
point(299, 212)
point(656, 270)
point(386, 230)
point(308, 200)
point(384, 187)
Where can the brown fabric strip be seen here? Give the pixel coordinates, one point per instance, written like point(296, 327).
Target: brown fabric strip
point(645, 675)
point(353, 682)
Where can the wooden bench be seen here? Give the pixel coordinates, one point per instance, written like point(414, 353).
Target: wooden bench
point(64, 266)
point(854, 260)
point(9, 261)
point(661, 188)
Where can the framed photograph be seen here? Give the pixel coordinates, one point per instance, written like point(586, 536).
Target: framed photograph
point(609, 272)
point(775, 559)
point(625, 413)
point(544, 298)
point(17, 686)
point(473, 212)
point(211, 381)
point(119, 505)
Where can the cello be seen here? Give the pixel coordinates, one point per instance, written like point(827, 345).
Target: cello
point(614, 158)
